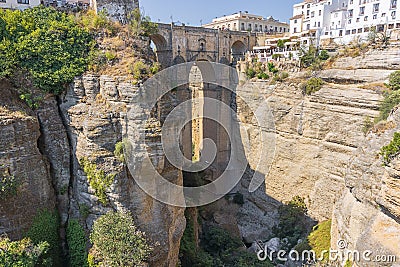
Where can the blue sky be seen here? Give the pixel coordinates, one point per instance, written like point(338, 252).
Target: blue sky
point(192, 11)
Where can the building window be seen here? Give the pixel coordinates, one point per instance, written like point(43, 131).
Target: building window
point(234, 27)
point(308, 12)
point(276, 29)
point(375, 8)
point(308, 26)
point(23, 2)
point(393, 14)
point(308, 6)
point(393, 4)
point(319, 12)
point(2, 1)
point(249, 27)
point(391, 26)
point(383, 15)
point(359, 30)
point(358, 20)
point(256, 27)
point(362, 10)
point(353, 31)
point(374, 16)
point(312, 14)
point(351, 2)
point(242, 28)
point(349, 22)
point(261, 28)
point(397, 25)
point(347, 32)
point(340, 32)
point(319, 24)
point(294, 30)
point(350, 13)
point(366, 29)
point(366, 18)
point(295, 21)
point(280, 29)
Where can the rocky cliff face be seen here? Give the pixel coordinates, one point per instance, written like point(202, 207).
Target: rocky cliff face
point(94, 109)
point(367, 215)
point(21, 160)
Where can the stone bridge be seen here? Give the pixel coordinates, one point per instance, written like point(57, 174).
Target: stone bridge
point(178, 44)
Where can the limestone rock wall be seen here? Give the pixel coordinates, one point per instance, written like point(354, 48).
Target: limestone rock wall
point(95, 111)
point(21, 158)
point(367, 215)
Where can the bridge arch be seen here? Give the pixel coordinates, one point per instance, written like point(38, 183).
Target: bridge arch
point(162, 50)
point(238, 50)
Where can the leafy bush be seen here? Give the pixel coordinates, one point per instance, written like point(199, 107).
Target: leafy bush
point(77, 244)
point(323, 55)
point(117, 242)
point(141, 25)
point(110, 55)
point(227, 250)
point(45, 228)
point(394, 80)
point(367, 126)
point(156, 67)
point(96, 23)
point(318, 240)
point(313, 85)
point(8, 186)
point(190, 253)
point(250, 73)
point(119, 151)
point(308, 56)
point(48, 44)
point(97, 179)
point(263, 76)
point(280, 77)
point(271, 68)
point(390, 100)
point(139, 70)
point(292, 221)
point(22, 253)
point(391, 150)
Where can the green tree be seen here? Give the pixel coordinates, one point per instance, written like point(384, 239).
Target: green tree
point(48, 44)
point(323, 55)
point(45, 228)
point(394, 80)
point(117, 242)
point(77, 244)
point(22, 253)
point(142, 25)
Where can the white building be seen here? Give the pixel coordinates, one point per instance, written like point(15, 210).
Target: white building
point(243, 21)
point(19, 4)
point(312, 18)
point(366, 15)
point(342, 20)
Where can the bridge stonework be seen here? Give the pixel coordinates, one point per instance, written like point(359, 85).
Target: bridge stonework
point(179, 44)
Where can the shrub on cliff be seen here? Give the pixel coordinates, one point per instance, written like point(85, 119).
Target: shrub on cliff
point(292, 221)
point(46, 43)
point(97, 178)
point(45, 229)
point(394, 80)
point(77, 244)
point(22, 253)
point(390, 100)
point(117, 242)
point(391, 150)
point(313, 85)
